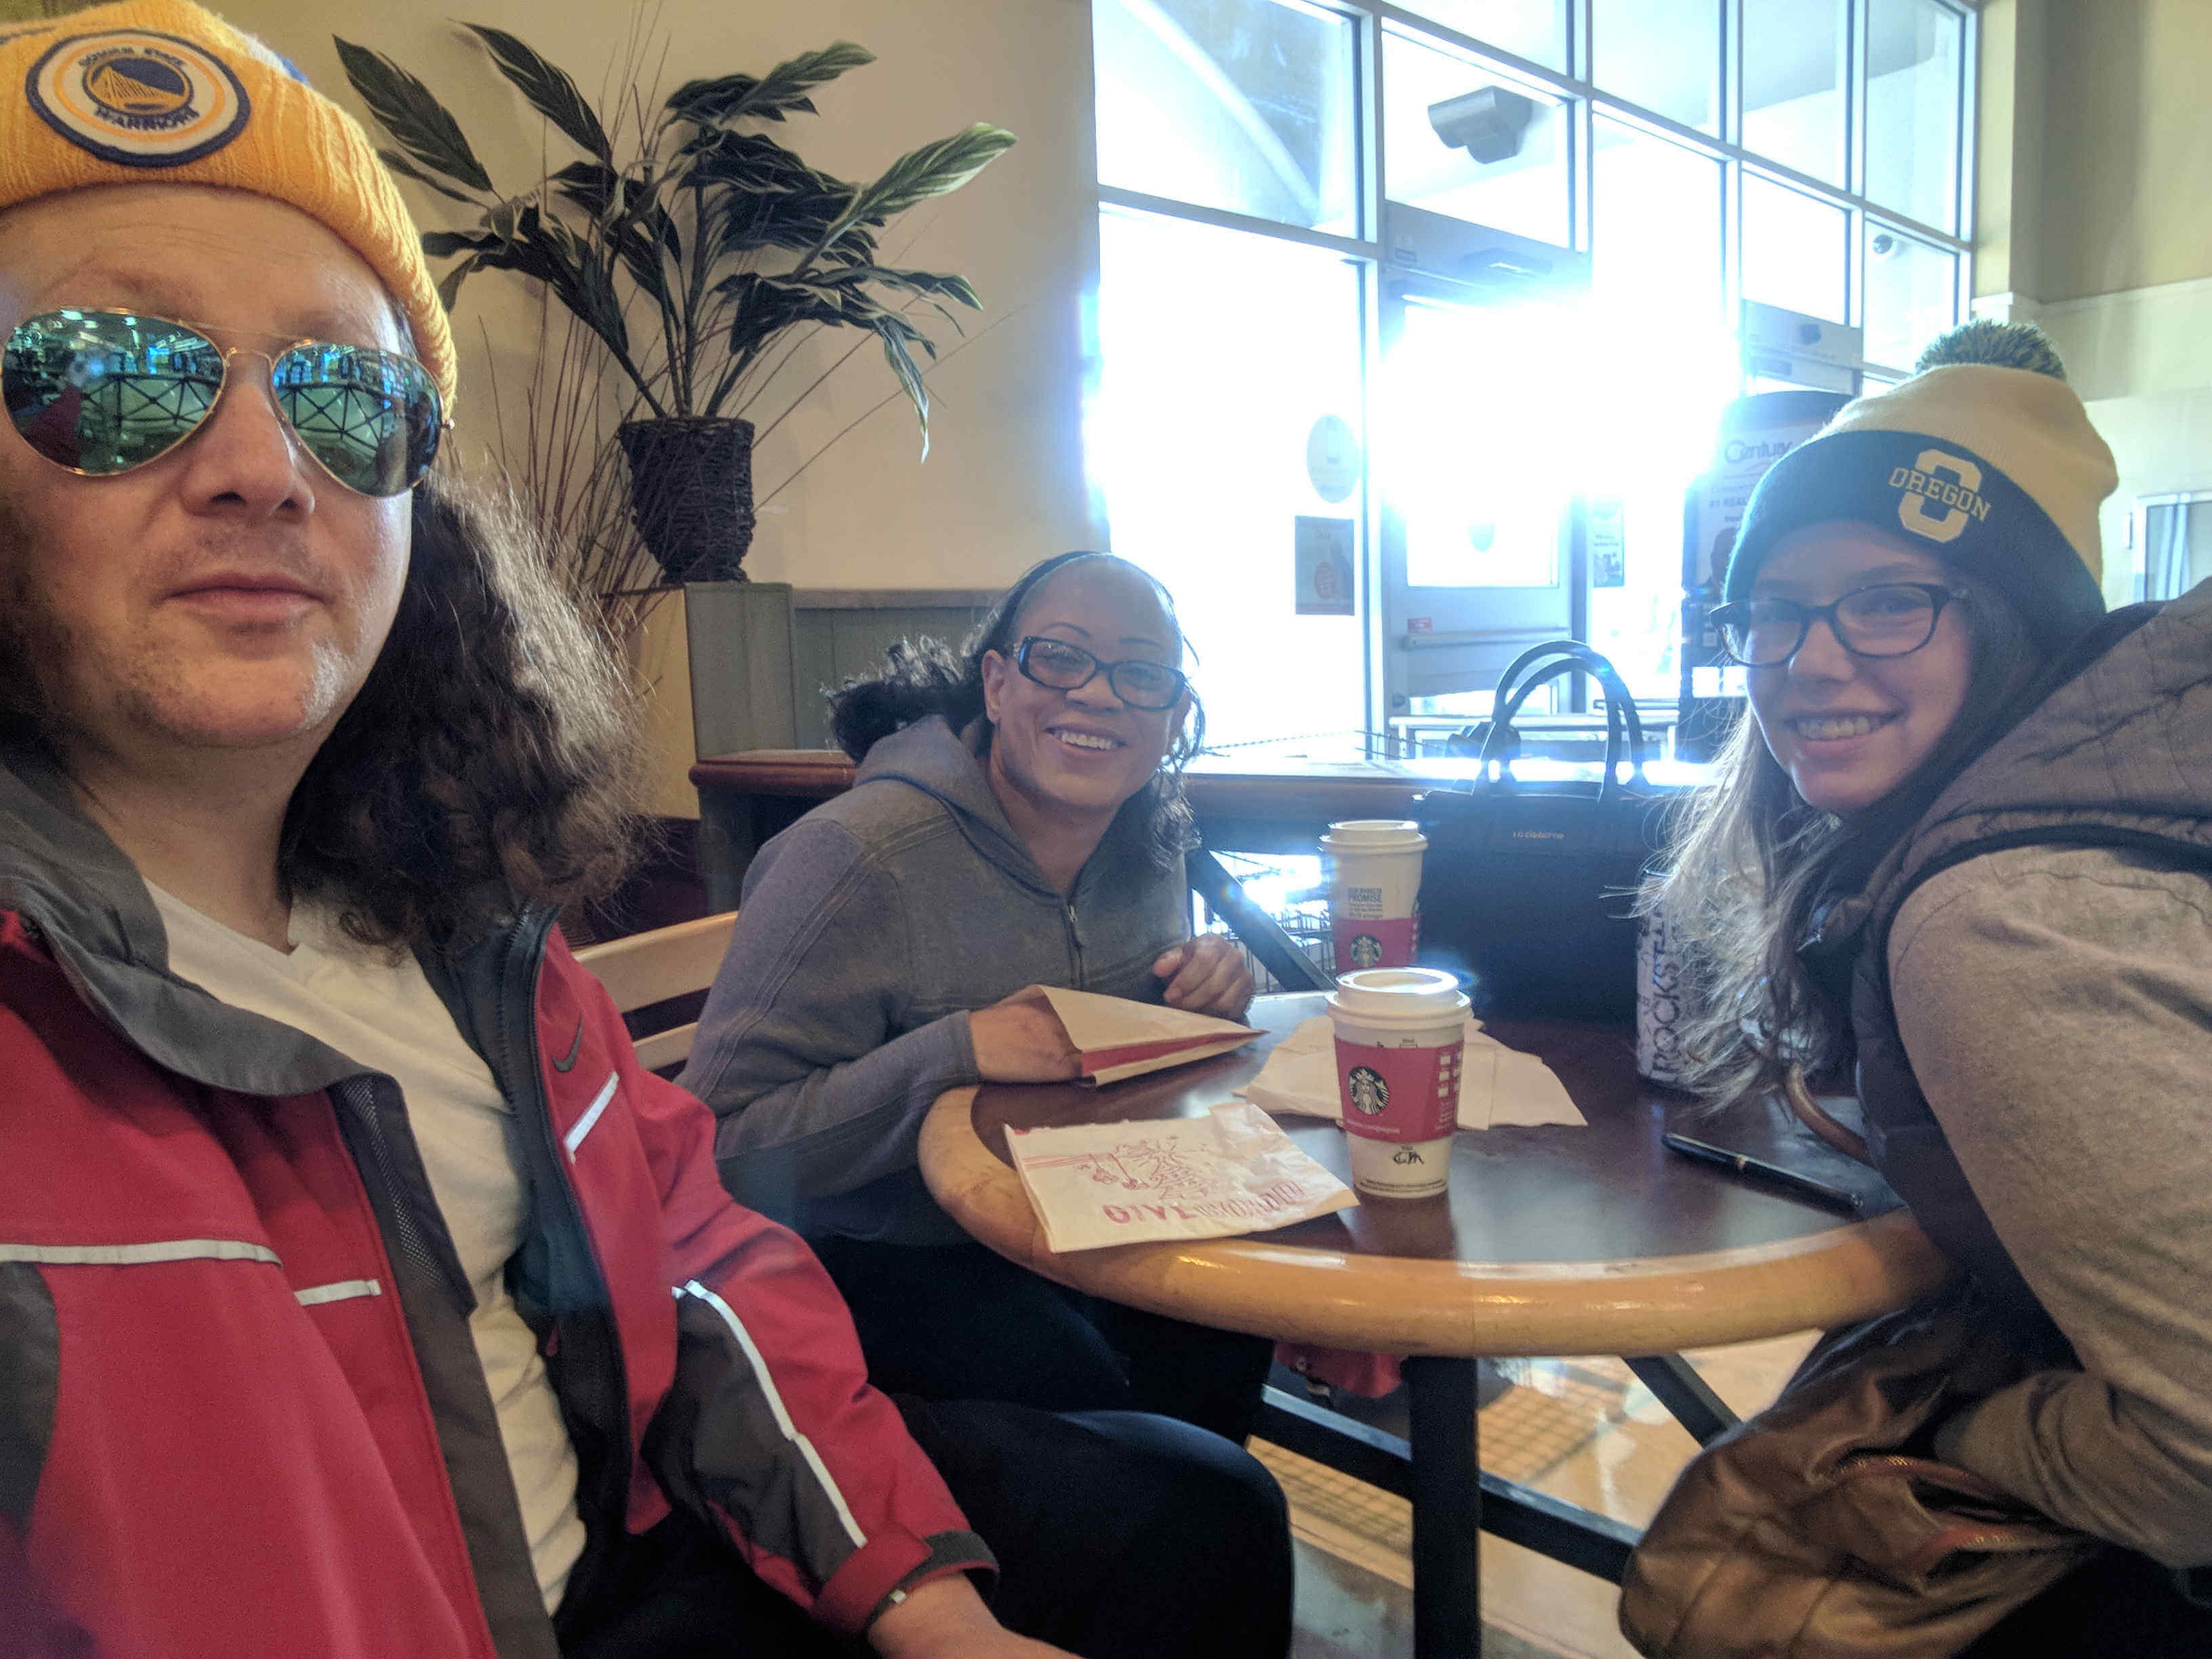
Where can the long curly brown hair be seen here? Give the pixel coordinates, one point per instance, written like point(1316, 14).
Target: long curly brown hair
point(488, 764)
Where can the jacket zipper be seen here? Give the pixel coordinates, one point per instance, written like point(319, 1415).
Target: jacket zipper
point(358, 1094)
point(590, 1350)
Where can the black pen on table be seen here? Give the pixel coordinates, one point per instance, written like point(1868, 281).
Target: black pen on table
point(1818, 1192)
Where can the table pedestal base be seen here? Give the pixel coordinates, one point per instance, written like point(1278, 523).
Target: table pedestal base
point(1447, 1599)
point(1447, 1509)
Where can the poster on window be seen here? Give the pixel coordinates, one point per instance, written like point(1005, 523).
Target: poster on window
point(1323, 550)
point(1755, 433)
point(1608, 543)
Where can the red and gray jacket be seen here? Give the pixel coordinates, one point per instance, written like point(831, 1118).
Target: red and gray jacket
point(240, 1410)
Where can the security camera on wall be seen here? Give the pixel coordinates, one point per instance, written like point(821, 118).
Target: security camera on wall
point(1487, 123)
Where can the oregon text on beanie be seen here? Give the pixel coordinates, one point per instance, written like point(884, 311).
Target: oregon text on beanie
point(164, 92)
point(1990, 467)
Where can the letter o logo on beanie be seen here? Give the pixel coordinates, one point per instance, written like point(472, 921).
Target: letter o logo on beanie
point(1936, 479)
point(138, 98)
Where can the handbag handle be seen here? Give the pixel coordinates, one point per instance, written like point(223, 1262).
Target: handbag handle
point(1551, 660)
point(1808, 1112)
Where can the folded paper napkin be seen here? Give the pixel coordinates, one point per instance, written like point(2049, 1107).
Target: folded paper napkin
point(1232, 1171)
point(1114, 1038)
point(1498, 1086)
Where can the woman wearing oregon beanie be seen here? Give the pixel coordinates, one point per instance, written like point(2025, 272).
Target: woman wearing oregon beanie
point(1964, 839)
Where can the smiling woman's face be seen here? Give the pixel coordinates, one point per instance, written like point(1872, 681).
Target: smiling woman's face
point(1083, 752)
point(1848, 730)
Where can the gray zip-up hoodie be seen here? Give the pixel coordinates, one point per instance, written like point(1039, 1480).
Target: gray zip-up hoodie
point(867, 931)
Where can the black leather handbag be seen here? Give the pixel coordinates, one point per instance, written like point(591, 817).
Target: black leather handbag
point(1528, 886)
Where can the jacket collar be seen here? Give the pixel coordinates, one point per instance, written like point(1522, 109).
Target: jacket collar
point(67, 879)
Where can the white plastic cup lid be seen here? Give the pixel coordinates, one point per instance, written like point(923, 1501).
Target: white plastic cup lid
point(1375, 835)
point(1398, 996)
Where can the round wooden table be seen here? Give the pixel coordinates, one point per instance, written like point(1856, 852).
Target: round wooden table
point(1551, 1241)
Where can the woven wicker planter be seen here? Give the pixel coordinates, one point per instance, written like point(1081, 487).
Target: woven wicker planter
point(691, 493)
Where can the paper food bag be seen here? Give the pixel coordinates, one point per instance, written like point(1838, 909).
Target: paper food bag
point(1114, 1038)
point(1232, 1171)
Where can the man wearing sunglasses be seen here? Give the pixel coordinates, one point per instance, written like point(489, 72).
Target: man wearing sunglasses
point(358, 1293)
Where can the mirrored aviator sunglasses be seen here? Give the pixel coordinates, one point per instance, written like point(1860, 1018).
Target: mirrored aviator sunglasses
point(102, 392)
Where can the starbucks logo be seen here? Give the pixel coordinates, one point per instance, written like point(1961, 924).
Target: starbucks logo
point(1370, 1093)
point(1366, 949)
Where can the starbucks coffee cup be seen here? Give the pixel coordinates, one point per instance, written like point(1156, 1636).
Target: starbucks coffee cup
point(1399, 1036)
point(1373, 890)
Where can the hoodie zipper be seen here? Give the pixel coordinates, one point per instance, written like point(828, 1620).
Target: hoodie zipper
point(1074, 945)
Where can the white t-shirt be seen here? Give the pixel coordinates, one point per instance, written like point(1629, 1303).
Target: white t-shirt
point(382, 1014)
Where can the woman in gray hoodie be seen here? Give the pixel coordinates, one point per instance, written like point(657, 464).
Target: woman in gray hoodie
point(1018, 819)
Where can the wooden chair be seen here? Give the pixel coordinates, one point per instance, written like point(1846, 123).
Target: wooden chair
point(648, 967)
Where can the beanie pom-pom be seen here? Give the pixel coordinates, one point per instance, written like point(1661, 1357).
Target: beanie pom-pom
point(1994, 345)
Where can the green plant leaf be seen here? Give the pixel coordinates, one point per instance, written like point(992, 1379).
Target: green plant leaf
point(592, 186)
point(909, 377)
point(765, 305)
point(933, 283)
point(857, 278)
point(749, 162)
point(411, 114)
point(933, 170)
point(439, 244)
point(767, 97)
point(406, 169)
point(548, 89)
point(636, 225)
point(449, 285)
point(525, 240)
point(797, 221)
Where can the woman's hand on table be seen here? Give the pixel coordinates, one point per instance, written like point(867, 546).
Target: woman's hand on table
point(1021, 1040)
point(1207, 975)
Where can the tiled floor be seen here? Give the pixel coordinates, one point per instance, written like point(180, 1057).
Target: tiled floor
point(1583, 1429)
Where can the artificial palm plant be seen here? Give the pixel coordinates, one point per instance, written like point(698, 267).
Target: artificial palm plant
point(693, 257)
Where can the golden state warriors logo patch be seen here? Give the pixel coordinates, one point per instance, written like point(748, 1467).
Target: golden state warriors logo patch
point(138, 98)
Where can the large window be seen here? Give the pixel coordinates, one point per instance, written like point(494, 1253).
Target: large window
point(1415, 318)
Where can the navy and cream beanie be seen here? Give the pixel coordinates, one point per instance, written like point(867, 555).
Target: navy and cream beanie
point(1984, 458)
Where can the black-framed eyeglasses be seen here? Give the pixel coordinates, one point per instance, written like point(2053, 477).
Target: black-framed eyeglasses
point(1151, 686)
point(1889, 619)
point(101, 392)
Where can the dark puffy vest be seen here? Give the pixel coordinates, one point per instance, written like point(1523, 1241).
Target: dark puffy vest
point(2118, 755)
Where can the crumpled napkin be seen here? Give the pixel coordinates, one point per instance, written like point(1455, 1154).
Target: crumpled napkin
point(1498, 1086)
point(1232, 1171)
point(1115, 1038)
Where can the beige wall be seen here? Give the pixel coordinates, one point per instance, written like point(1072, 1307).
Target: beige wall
point(2095, 153)
point(1004, 483)
point(2127, 157)
point(2095, 218)
point(2143, 361)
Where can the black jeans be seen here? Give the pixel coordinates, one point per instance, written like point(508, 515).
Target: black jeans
point(2122, 1605)
point(1118, 1536)
point(958, 1322)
